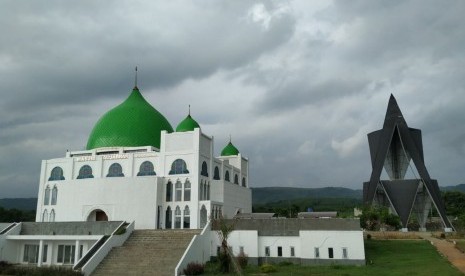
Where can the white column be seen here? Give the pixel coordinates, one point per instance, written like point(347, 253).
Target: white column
point(41, 246)
point(76, 252)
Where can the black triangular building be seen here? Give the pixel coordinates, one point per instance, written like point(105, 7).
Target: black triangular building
point(393, 148)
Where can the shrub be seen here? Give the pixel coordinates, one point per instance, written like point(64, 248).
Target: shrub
point(284, 263)
point(194, 269)
point(242, 259)
point(267, 268)
point(224, 262)
point(368, 236)
point(443, 235)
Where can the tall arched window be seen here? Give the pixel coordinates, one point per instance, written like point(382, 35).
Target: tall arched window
point(177, 217)
point(204, 171)
point(168, 218)
point(169, 191)
point(47, 196)
point(146, 168)
point(52, 216)
point(216, 174)
point(244, 184)
point(187, 191)
point(85, 172)
point(179, 167)
point(115, 170)
point(56, 174)
point(54, 195)
point(45, 216)
point(187, 218)
point(226, 176)
point(178, 194)
point(203, 216)
point(236, 179)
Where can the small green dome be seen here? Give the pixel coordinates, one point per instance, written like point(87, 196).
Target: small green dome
point(229, 150)
point(187, 124)
point(133, 123)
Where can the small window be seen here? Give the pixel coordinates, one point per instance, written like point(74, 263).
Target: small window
point(66, 254)
point(52, 216)
point(31, 253)
point(204, 171)
point(267, 251)
point(208, 190)
point(169, 191)
point(201, 190)
point(115, 170)
point(45, 216)
point(292, 251)
point(85, 172)
point(146, 168)
point(187, 218)
point(56, 174)
point(317, 252)
point(177, 218)
point(168, 218)
point(44, 253)
point(330, 253)
point(241, 250)
point(236, 179)
point(345, 255)
point(226, 176)
point(179, 166)
point(244, 184)
point(280, 251)
point(218, 250)
point(178, 194)
point(54, 195)
point(216, 175)
point(47, 196)
point(187, 191)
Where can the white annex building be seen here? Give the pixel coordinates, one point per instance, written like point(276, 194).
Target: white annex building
point(142, 191)
point(136, 168)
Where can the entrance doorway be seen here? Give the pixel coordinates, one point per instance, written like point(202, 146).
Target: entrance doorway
point(97, 215)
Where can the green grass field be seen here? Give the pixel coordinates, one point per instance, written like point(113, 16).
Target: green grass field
point(384, 257)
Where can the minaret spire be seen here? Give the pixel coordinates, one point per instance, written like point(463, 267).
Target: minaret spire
point(135, 79)
point(189, 110)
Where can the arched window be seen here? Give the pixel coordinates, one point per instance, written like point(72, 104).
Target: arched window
point(177, 218)
point(187, 218)
point(54, 195)
point(187, 191)
point(146, 168)
point(208, 191)
point(244, 184)
point(45, 216)
point(236, 179)
point(56, 174)
point(203, 216)
point(204, 171)
point(216, 174)
point(168, 218)
point(226, 176)
point(47, 196)
point(178, 194)
point(179, 167)
point(115, 170)
point(169, 191)
point(52, 216)
point(85, 172)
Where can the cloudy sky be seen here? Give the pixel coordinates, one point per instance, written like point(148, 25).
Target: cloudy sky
point(298, 84)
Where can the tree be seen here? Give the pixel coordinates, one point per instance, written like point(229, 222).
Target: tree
point(226, 257)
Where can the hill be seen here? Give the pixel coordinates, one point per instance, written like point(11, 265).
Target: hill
point(25, 204)
point(274, 194)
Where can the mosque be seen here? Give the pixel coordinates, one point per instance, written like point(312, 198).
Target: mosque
point(137, 168)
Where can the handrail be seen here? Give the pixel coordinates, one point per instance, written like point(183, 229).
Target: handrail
point(8, 228)
point(90, 253)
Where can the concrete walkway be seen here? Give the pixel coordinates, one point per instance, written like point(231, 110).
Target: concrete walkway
point(447, 249)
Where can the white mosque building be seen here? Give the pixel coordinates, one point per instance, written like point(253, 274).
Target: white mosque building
point(137, 168)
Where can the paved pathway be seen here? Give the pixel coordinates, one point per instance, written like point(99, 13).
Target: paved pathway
point(447, 249)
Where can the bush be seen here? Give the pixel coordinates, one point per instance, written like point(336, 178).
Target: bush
point(284, 263)
point(443, 235)
point(267, 268)
point(368, 236)
point(224, 262)
point(242, 259)
point(194, 269)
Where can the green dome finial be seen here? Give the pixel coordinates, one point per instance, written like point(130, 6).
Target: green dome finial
point(188, 124)
point(133, 123)
point(230, 149)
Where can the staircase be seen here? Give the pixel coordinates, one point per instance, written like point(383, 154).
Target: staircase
point(147, 252)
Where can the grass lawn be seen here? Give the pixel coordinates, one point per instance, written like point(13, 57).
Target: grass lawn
point(384, 257)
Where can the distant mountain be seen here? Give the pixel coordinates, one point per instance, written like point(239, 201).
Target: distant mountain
point(459, 188)
point(25, 204)
point(273, 194)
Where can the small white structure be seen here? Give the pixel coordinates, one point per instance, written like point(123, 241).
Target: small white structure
point(302, 241)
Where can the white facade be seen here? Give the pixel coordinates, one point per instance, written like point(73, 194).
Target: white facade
point(134, 193)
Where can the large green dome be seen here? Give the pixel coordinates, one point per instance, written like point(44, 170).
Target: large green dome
point(132, 123)
point(188, 124)
point(229, 150)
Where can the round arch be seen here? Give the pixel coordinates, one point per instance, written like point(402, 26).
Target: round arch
point(97, 215)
